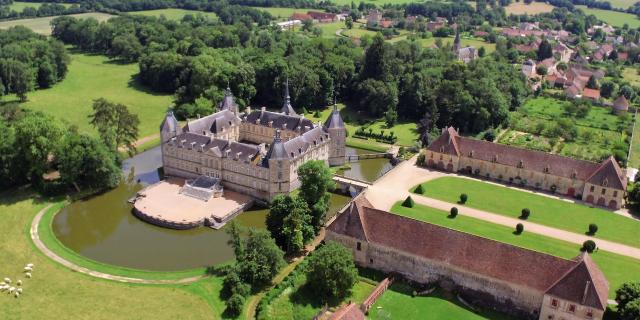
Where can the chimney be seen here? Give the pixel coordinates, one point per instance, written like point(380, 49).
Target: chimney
point(284, 126)
point(270, 124)
point(182, 143)
point(192, 145)
point(202, 147)
point(227, 153)
point(586, 291)
point(263, 109)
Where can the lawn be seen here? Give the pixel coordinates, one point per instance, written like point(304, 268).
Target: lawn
point(54, 292)
point(475, 42)
point(405, 131)
point(284, 13)
point(544, 210)
point(379, 3)
point(358, 32)
point(19, 6)
point(618, 269)
point(616, 19)
point(42, 25)
point(622, 4)
point(91, 77)
point(397, 303)
point(631, 74)
point(634, 156)
point(173, 14)
point(329, 29)
point(598, 132)
point(533, 8)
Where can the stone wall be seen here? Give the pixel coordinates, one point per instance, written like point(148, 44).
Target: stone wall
point(554, 308)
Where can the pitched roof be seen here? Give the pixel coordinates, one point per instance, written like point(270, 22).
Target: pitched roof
point(334, 120)
point(591, 93)
point(621, 103)
point(449, 142)
point(278, 120)
point(170, 123)
point(453, 248)
point(584, 283)
point(216, 123)
point(228, 102)
point(299, 145)
point(276, 151)
point(286, 105)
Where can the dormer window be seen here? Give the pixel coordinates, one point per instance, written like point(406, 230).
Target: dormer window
point(574, 174)
point(520, 164)
point(495, 158)
point(572, 308)
point(605, 182)
point(589, 314)
point(292, 154)
point(546, 169)
point(471, 154)
point(554, 303)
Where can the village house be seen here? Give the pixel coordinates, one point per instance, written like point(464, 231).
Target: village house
point(255, 152)
point(529, 68)
point(465, 54)
point(620, 105)
point(562, 52)
point(373, 18)
point(524, 283)
point(603, 184)
point(323, 17)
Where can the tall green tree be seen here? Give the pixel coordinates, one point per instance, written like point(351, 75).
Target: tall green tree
point(289, 222)
point(332, 272)
point(544, 50)
point(37, 136)
point(115, 124)
point(316, 182)
point(260, 260)
point(376, 60)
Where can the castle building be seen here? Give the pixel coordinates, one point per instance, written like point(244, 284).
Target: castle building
point(254, 152)
point(524, 283)
point(603, 183)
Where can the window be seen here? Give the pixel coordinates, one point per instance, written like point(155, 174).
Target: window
point(592, 188)
point(554, 303)
point(589, 314)
point(615, 193)
point(572, 308)
point(604, 190)
point(370, 260)
point(550, 317)
point(359, 246)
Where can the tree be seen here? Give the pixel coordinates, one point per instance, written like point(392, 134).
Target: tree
point(593, 228)
point(315, 183)
point(519, 228)
point(628, 92)
point(289, 221)
point(482, 52)
point(375, 60)
point(419, 189)
point(463, 198)
point(453, 212)
point(307, 25)
point(391, 117)
point(541, 70)
point(544, 50)
point(115, 124)
point(84, 161)
point(37, 137)
point(525, 213)
point(588, 246)
point(628, 292)
point(234, 305)
point(332, 272)
point(408, 202)
point(18, 77)
point(631, 311)
point(607, 88)
point(348, 22)
point(592, 83)
point(260, 260)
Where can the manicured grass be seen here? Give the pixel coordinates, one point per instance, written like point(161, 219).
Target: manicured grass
point(634, 157)
point(618, 269)
point(622, 4)
point(533, 8)
point(544, 210)
point(379, 3)
point(54, 292)
point(91, 77)
point(367, 144)
point(42, 25)
point(173, 14)
point(631, 74)
point(284, 13)
point(397, 303)
point(614, 18)
point(329, 29)
point(475, 42)
point(358, 32)
point(19, 6)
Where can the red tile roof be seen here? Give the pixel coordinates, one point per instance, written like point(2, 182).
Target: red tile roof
point(591, 93)
point(584, 284)
point(449, 142)
point(300, 16)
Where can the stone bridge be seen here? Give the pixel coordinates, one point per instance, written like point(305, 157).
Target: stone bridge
point(344, 183)
point(358, 157)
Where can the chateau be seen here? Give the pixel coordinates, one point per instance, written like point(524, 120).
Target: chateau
point(524, 283)
point(256, 152)
point(603, 184)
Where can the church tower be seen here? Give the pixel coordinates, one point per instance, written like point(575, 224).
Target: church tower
point(338, 134)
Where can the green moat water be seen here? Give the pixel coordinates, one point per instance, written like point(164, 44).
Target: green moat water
point(103, 228)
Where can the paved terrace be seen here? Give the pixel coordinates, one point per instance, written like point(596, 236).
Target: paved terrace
point(394, 186)
point(162, 204)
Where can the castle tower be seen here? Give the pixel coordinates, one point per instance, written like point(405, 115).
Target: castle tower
point(286, 106)
point(338, 134)
point(169, 128)
point(228, 103)
point(277, 161)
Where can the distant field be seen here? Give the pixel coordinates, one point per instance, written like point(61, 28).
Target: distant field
point(283, 13)
point(329, 29)
point(376, 2)
point(489, 47)
point(42, 25)
point(357, 32)
point(173, 14)
point(622, 4)
point(518, 8)
point(617, 19)
point(91, 77)
point(19, 6)
point(631, 74)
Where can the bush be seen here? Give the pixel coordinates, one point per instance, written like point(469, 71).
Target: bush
point(519, 228)
point(593, 228)
point(419, 189)
point(453, 212)
point(463, 198)
point(554, 188)
point(408, 202)
point(588, 246)
point(421, 159)
point(234, 305)
point(525, 213)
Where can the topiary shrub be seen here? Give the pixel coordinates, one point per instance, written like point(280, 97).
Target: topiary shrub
point(524, 215)
point(463, 198)
point(519, 228)
point(453, 212)
point(408, 202)
point(419, 189)
point(593, 228)
point(421, 160)
point(588, 246)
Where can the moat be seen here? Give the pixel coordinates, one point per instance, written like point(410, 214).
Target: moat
point(103, 228)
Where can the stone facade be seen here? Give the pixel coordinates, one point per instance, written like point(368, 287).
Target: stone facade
point(507, 278)
point(255, 153)
point(602, 184)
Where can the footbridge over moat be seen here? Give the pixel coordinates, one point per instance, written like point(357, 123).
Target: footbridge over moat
point(345, 183)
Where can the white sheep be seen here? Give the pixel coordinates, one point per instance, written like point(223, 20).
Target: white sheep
point(16, 294)
point(28, 275)
point(30, 265)
point(11, 290)
point(7, 280)
point(19, 290)
point(3, 289)
point(28, 269)
point(19, 282)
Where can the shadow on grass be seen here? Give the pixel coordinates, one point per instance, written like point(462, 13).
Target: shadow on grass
point(15, 195)
point(137, 85)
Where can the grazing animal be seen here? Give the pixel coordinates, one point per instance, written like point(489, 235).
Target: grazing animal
point(30, 265)
point(11, 290)
point(28, 269)
point(19, 290)
point(28, 275)
point(16, 294)
point(7, 280)
point(19, 282)
point(3, 289)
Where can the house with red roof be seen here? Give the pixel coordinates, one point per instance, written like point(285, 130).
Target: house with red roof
point(520, 282)
point(592, 94)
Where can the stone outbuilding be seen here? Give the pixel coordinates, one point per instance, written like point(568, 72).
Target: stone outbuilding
point(621, 105)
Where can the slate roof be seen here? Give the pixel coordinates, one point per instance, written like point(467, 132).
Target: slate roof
point(621, 103)
point(170, 123)
point(228, 103)
point(286, 105)
point(218, 146)
point(300, 144)
point(279, 120)
point(563, 278)
point(276, 151)
point(215, 123)
point(449, 142)
point(334, 120)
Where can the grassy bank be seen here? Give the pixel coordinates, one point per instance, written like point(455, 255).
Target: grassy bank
point(173, 14)
point(42, 25)
point(547, 211)
point(614, 18)
point(617, 268)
